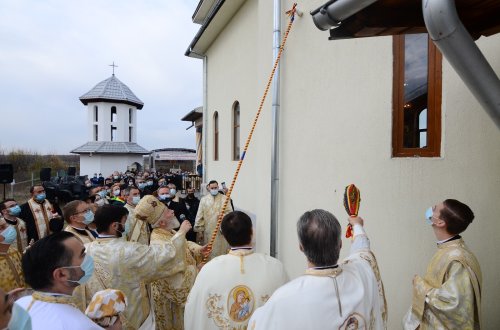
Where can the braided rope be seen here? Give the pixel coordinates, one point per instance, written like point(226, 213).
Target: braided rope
point(291, 14)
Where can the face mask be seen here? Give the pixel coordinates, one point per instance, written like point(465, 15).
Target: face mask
point(163, 197)
point(214, 192)
point(88, 217)
point(100, 202)
point(87, 267)
point(428, 216)
point(142, 185)
point(15, 210)
point(173, 192)
point(40, 197)
point(127, 228)
point(122, 231)
point(102, 193)
point(131, 183)
point(136, 200)
point(9, 235)
point(116, 177)
point(20, 319)
point(150, 183)
point(116, 192)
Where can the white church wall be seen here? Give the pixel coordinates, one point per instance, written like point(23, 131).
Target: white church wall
point(336, 108)
point(106, 164)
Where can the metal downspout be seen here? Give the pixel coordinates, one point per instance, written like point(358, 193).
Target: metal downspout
point(204, 131)
point(275, 133)
point(458, 47)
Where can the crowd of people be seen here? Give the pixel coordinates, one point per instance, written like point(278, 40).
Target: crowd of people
point(133, 254)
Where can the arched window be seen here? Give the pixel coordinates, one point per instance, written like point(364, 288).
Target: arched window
point(236, 130)
point(216, 136)
point(113, 114)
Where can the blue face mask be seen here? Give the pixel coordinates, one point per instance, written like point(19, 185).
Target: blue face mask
point(102, 193)
point(214, 192)
point(87, 267)
point(173, 192)
point(20, 319)
point(15, 210)
point(428, 216)
point(9, 235)
point(40, 197)
point(136, 200)
point(163, 197)
point(127, 228)
point(88, 217)
point(141, 185)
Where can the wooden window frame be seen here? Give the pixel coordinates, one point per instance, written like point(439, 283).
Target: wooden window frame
point(434, 80)
point(216, 135)
point(236, 127)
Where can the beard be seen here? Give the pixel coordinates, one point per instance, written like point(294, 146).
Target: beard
point(173, 223)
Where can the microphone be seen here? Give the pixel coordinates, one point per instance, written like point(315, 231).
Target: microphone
point(182, 217)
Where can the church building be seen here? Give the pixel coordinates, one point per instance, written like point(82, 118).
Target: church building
point(111, 129)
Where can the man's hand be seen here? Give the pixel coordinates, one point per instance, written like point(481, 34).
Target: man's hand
point(356, 221)
point(185, 227)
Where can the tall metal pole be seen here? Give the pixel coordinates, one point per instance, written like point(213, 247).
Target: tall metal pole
point(275, 133)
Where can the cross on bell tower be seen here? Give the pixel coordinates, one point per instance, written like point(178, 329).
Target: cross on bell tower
point(114, 66)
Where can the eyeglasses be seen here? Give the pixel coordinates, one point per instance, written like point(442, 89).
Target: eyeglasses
point(86, 210)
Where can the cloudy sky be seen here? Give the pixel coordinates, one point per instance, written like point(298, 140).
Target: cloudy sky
point(54, 51)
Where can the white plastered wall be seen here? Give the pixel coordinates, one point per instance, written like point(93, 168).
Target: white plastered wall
point(336, 121)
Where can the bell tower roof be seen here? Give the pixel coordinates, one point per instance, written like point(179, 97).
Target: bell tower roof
point(111, 90)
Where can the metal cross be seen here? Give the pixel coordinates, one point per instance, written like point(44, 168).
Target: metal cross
point(114, 66)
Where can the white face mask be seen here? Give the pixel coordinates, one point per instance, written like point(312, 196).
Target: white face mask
point(214, 192)
point(100, 202)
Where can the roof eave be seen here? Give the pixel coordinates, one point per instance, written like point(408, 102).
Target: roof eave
point(222, 12)
point(100, 99)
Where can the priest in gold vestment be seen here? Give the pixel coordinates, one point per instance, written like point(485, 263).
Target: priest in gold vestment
point(131, 267)
point(206, 219)
point(449, 296)
point(170, 293)
point(11, 274)
point(79, 215)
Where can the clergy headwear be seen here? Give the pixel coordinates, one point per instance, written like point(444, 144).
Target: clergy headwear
point(149, 209)
point(105, 306)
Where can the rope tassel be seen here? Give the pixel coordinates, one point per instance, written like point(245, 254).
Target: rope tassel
point(291, 14)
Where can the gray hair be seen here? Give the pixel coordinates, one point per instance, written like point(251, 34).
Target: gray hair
point(319, 234)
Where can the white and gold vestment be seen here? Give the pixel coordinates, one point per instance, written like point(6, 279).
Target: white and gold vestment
point(170, 293)
point(206, 220)
point(449, 296)
point(131, 267)
point(349, 295)
point(230, 287)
